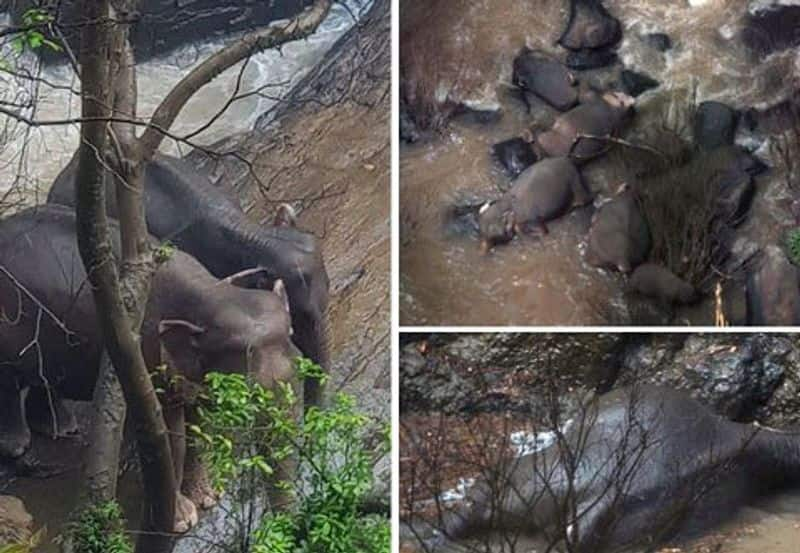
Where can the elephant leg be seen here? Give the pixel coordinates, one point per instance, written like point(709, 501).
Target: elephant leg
point(49, 415)
point(185, 511)
point(196, 485)
point(15, 435)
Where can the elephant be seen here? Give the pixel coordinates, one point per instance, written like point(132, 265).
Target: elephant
point(51, 344)
point(600, 117)
point(546, 78)
point(619, 237)
point(654, 281)
point(183, 206)
point(639, 463)
point(541, 193)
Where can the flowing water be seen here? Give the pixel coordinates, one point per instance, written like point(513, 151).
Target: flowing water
point(544, 280)
point(33, 157)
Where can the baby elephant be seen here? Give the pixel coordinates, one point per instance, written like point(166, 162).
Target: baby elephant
point(619, 237)
point(541, 193)
point(602, 116)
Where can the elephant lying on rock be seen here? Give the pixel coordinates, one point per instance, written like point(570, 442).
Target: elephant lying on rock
point(183, 206)
point(541, 193)
point(546, 78)
point(51, 344)
point(619, 237)
point(655, 281)
point(641, 467)
point(600, 117)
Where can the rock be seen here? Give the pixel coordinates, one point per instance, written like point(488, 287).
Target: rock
point(773, 290)
point(735, 375)
point(16, 523)
point(428, 383)
point(714, 125)
point(659, 41)
point(771, 29)
point(166, 24)
point(547, 78)
point(515, 155)
point(590, 26)
point(408, 128)
point(583, 60)
point(636, 83)
point(776, 118)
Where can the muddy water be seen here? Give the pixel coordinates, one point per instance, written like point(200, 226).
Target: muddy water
point(35, 157)
point(544, 280)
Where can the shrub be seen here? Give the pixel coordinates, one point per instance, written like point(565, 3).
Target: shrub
point(100, 528)
point(252, 440)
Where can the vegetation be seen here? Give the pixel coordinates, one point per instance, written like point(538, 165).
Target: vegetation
point(318, 472)
point(100, 528)
point(793, 245)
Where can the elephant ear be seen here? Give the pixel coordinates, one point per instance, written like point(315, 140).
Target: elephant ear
point(255, 278)
point(179, 342)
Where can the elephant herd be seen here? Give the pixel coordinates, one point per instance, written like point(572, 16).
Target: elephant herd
point(235, 296)
point(546, 167)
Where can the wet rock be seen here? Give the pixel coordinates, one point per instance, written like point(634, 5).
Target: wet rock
point(515, 155)
point(547, 78)
point(657, 282)
point(408, 128)
point(163, 25)
point(735, 375)
point(714, 125)
point(776, 118)
point(428, 384)
point(583, 60)
point(636, 83)
point(773, 290)
point(771, 29)
point(16, 523)
point(590, 26)
point(659, 41)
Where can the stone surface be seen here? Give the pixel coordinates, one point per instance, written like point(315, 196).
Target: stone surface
point(166, 24)
point(714, 125)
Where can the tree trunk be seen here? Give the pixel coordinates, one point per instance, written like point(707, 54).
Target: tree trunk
point(122, 342)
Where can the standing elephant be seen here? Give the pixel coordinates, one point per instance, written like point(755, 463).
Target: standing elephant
point(599, 117)
point(541, 193)
point(183, 206)
point(51, 342)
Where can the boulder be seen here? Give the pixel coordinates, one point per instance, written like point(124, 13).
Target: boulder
point(515, 155)
point(772, 28)
point(590, 26)
point(163, 25)
point(636, 83)
point(714, 125)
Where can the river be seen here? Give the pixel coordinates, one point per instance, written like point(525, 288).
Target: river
point(544, 280)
